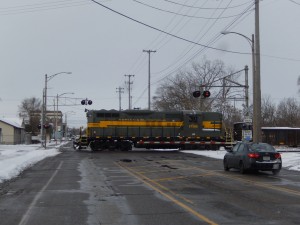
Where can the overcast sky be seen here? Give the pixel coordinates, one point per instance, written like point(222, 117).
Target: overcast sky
point(100, 45)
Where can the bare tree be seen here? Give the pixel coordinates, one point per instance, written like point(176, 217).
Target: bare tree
point(231, 115)
point(29, 111)
point(175, 93)
point(29, 105)
point(288, 113)
point(268, 111)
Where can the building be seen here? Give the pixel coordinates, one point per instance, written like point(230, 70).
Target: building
point(12, 131)
point(53, 123)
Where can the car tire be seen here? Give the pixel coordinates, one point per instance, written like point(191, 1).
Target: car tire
point(226, 167)
point(242, 167)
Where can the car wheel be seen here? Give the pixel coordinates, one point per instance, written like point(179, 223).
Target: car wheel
point(226, 168)
point(242, 168)
point(275, 172)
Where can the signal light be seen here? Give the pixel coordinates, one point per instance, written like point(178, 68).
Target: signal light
point(206, 94)
point(196, 94)
point(86, 102)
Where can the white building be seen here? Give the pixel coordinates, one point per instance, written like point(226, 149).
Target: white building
point(12, 131)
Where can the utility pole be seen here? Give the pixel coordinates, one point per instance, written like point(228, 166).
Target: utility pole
point(149, 84)
point(246, 91)
point(120, 91)
point(43, 119)
point(256, 81)
point(44, 108)
point(129, 89)
point(44, 114)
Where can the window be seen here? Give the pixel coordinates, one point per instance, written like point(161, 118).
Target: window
point(241, 148)
point(262, 147)
point(193, 118)
point(235, 148)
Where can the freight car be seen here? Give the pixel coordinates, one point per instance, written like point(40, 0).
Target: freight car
point(112, 129)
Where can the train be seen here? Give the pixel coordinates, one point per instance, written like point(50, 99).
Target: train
point(279, 136)
point(123, 130)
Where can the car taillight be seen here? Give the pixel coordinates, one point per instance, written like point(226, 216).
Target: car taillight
point(277, 156)
point(253, 155)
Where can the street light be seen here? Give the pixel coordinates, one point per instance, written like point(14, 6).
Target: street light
point(44, 108)
point(256, 120)
point(56, 116)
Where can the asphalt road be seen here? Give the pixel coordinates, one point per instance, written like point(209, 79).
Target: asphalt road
point(146, 188)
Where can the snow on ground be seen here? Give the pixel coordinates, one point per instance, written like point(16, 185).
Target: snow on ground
point(15, 158)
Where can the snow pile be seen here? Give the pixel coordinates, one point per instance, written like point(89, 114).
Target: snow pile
point(15, 158)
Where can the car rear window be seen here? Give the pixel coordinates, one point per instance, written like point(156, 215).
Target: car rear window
point(262, 147)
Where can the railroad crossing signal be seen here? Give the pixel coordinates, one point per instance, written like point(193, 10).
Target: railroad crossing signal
point(86, 102)
point(205, 94)
point(196, 94)
point(46, 126)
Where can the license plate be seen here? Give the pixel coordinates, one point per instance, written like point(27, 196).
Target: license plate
point(266, 158)
point(276, 166)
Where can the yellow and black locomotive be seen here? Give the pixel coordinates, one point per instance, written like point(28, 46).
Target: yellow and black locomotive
point(112, 129)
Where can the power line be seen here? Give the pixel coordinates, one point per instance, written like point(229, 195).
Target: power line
point(206, 8)
point(198, 17)
point(204, 32)
point(213, 40)
point(175, 36)
point(297, 3)
point(13, 10)
point(198, 52)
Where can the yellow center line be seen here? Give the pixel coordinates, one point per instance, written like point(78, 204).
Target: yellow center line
point(217, 173)
point(154, 185)
point(182, 177)
point(260, 184)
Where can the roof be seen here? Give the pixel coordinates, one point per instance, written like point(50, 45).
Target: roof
point(15, 122)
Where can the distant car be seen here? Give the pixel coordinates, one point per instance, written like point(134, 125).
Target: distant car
point(249, 156)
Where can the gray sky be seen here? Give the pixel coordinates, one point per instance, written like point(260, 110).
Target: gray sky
point(99, 47)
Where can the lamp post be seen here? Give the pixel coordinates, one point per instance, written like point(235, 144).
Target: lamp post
point(44, 108)
point(256, 121)
point(56, 116)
